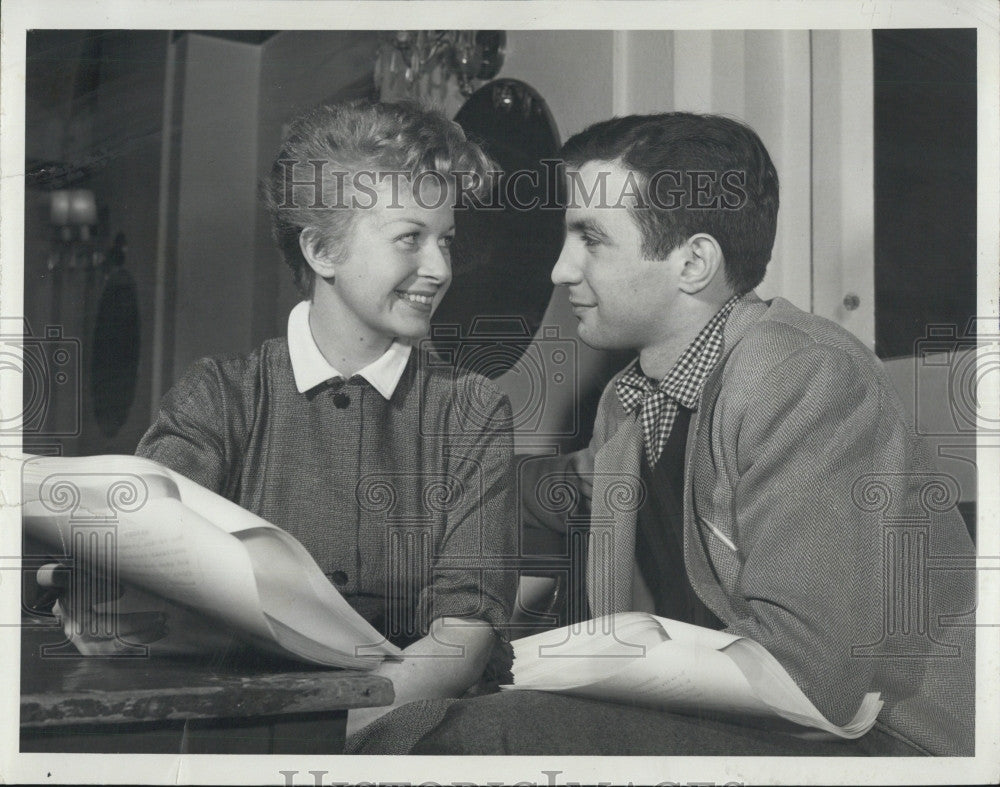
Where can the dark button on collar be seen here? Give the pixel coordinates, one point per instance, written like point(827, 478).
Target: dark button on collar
point(338, 578)
point(341, 400)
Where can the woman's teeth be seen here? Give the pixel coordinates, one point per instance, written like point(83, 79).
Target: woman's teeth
point(426, 300)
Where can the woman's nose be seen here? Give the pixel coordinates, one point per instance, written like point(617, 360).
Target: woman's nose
point(435, 263)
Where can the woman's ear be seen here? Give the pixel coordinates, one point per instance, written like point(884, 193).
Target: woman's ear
point(703, 264)
point(318, 257)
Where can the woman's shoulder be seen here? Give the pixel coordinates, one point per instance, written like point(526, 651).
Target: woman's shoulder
point(457, 399)
point(445, 380)
point(236, 374)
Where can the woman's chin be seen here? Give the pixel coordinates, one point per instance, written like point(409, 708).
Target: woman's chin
point(413, 330)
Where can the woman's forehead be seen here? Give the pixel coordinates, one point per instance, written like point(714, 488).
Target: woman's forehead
point(426, 190)
point(425, 201)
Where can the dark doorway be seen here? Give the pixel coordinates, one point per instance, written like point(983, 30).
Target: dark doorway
point(925, 184)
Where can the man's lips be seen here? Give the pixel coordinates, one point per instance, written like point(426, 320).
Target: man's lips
point(580, 304)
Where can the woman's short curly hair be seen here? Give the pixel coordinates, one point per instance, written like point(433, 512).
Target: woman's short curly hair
point(313, 176)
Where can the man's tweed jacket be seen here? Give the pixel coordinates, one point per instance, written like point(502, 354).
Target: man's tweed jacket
point(810, 510)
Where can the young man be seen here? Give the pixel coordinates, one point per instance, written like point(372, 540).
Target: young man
point(770, 457)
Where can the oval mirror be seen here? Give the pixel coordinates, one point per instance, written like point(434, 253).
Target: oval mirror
point(115, 363)
point(503, 256)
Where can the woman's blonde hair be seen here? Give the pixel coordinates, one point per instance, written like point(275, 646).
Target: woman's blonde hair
point(312, 178)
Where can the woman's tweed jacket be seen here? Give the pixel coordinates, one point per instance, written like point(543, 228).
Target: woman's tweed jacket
point(406, 504)
point(804, 482)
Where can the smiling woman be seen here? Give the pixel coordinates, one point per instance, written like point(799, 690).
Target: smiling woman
point(338, 433)
point(393, 271)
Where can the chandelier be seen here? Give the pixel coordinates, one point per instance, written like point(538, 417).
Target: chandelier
point(411, 63)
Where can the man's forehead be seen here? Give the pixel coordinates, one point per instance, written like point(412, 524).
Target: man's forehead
point(597, 169)
point(598, 184)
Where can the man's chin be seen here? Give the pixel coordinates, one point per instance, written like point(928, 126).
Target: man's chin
point(595, 339)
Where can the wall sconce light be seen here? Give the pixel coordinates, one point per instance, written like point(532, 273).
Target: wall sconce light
point(73, 214)
point(409, 60)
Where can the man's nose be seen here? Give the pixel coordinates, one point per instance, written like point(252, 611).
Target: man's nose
point(567, 268)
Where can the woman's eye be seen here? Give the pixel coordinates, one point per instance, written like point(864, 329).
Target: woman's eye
point(409, 239)
point(446, 241)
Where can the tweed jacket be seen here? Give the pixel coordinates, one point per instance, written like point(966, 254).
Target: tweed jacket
point(810, 512)
point(405, 504)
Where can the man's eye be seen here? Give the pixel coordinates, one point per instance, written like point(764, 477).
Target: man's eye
point(589, 241)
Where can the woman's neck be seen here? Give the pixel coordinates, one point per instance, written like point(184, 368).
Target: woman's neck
point(346, 345)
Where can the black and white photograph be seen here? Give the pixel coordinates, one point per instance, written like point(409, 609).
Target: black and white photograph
point(590, 393)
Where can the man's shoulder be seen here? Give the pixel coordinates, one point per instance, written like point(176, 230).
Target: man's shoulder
point(782, 330)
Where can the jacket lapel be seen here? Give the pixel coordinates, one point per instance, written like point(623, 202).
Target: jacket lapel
point(618, 494)
point(747, 311)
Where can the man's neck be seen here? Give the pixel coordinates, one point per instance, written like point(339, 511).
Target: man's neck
point(658, 358)
point(347, 347)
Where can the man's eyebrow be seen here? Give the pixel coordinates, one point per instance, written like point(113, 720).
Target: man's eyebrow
point(589, 226)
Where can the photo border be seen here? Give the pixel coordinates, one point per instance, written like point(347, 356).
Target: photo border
point(19, 16)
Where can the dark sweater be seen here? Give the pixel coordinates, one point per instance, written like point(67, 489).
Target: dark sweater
point(659, 533)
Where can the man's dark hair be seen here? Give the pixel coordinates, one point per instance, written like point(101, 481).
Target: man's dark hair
point(738, 201)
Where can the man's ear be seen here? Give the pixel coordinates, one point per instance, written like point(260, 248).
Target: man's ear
point(703, 263)
point(318, 258)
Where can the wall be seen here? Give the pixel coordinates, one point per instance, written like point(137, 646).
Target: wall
point(116, 123)
point(579, 92)
point(132, 111)
point(216, 200)
point(945, 417)
point(299, 69)
point(572, 69)
point(843, 180)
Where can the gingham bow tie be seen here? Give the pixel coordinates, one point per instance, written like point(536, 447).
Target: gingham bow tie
point(658, 402)
point(657, 409)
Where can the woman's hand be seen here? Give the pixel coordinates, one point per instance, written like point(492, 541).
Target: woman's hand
point(445, 663)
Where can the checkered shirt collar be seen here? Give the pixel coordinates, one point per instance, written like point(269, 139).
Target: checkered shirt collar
point(657, 402)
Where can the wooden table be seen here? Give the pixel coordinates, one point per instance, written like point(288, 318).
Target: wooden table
point(235, 702)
